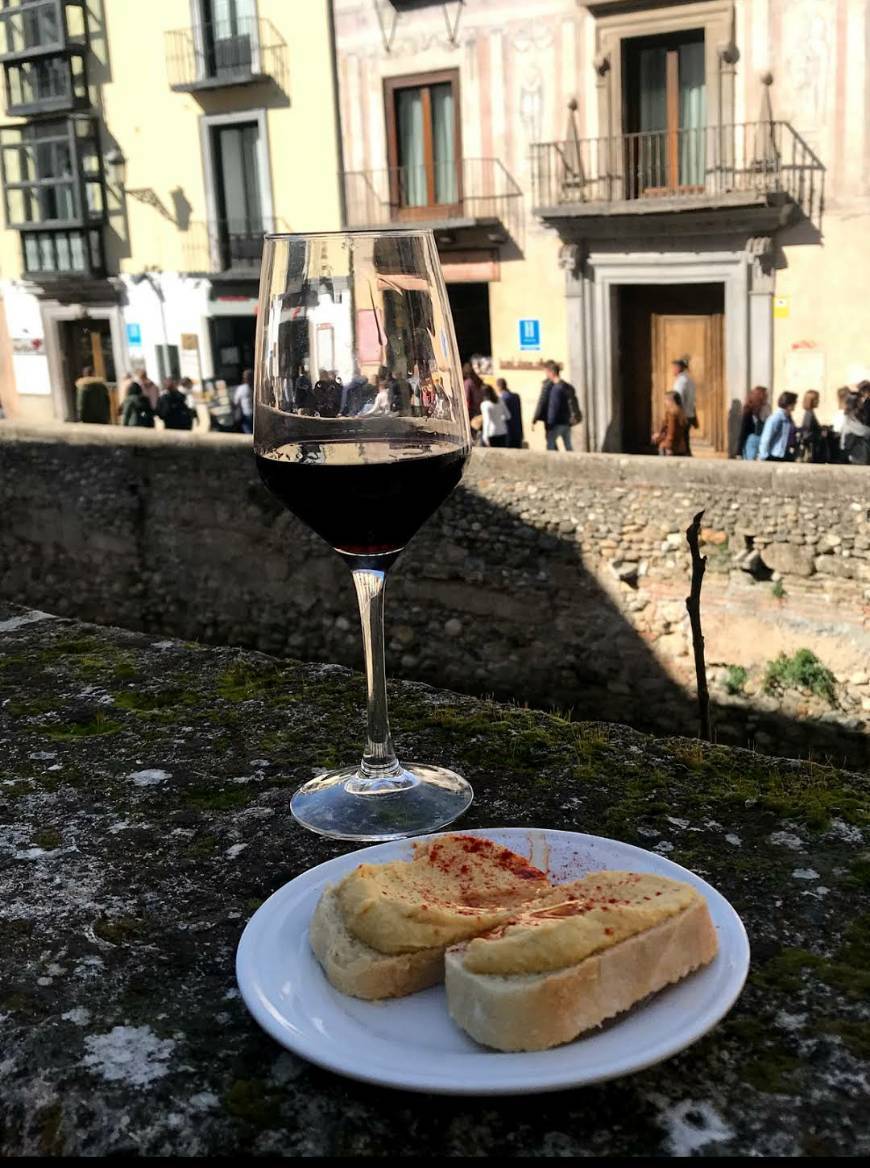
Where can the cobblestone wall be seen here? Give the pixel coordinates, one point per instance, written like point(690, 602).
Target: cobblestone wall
point(553, 580)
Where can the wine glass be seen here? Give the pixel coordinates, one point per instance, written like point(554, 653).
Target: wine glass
point(361, 430)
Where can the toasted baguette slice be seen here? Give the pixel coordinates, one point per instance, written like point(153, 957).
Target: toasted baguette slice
point(539, 1010)
point(355, 968)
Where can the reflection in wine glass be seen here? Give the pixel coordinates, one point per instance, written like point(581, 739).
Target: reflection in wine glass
point(361, 430)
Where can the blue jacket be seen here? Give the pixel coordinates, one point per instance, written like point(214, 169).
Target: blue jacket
point(553, 407)
point(775, 436)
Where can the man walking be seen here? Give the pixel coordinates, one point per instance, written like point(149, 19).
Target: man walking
point(172, 407)
point(685, 387)
point(557, 407)
point(92, 398)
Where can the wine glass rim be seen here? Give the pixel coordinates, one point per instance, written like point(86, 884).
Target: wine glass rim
point(367, 233)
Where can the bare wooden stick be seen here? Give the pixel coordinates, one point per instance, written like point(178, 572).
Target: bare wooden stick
point(693, 606)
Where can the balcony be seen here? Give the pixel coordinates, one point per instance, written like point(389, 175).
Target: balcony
point(761, 174)
point(49, 85)
point(243, 51)
point(479, 197)
point(227, 247)
point(40, 28)
point(54, 195)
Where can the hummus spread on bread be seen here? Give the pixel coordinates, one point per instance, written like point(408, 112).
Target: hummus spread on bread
point(576, 920)
point(455, 887)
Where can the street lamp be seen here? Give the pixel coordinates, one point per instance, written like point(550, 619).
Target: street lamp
point(116, 166)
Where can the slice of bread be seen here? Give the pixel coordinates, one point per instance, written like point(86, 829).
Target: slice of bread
point(356, 969)
point(539, 1010)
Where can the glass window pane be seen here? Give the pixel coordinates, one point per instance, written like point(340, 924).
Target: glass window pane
point(46, 253)
point(77, 249)
point(412, 168)
point(64, 259)
point(31, 253)
point(692, 113)
point(443, 145)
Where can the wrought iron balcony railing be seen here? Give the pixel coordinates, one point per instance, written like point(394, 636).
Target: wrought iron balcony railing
point(230, 52)
point(478, 189)
point(227, 245)
point(730, 163)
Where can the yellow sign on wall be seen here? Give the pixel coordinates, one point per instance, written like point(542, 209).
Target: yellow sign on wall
point(781, 306)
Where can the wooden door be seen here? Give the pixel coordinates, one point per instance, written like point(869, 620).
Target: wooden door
point(698, 339)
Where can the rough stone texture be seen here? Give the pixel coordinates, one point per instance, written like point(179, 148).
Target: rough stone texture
point(555, 580)
point(144, 816)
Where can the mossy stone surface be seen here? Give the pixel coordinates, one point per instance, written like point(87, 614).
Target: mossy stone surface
point(144, 790)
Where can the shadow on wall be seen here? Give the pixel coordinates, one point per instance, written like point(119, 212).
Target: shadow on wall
point(485, 600)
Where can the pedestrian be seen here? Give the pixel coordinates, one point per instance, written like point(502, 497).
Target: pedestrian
point(495, 418)
point(148, 388)
point(136, 408)
point(92, 398)
point(672, 438)
point(855, 432)
point(811, 438)
point(778, 436)
point(473, 397)
point(755, 413)
point(513, 405)
point(172, 407)
point(243, 402)
point(685, 387)
point(557, 407)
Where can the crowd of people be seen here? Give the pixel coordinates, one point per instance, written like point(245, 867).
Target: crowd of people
point(497, 417)
point(775, 436)
point(141, 401)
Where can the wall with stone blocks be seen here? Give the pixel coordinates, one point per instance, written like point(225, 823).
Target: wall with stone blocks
point(555, 580)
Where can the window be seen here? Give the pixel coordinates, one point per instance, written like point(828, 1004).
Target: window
point(229, 37)
point(423, 141)
point(34, 25)
point(52, 173)
point(665, 112)
point(235, 150)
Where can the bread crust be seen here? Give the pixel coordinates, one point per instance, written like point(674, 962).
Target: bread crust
point(354, 968)
point(541, 1010)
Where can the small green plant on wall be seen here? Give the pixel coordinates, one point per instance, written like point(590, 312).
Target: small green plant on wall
point(802, 671)
point(778, 589)
point(735, 679)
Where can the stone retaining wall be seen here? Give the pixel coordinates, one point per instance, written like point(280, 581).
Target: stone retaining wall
point(556, 580)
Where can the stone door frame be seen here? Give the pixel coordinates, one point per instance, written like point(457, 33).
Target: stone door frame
point(593, 337)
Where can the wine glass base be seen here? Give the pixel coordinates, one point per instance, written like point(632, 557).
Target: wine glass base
point(424, 798)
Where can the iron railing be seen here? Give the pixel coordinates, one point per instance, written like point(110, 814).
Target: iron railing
point(701, 163)
point(231, 52)
point(475, 188)
point(227, 245)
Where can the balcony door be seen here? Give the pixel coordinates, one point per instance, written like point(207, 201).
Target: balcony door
point(423, 142)
point(664, 114)
point(229, 37)
point(236, 150)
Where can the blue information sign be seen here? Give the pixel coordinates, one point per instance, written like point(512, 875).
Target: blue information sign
point(134, 334)
point(530, 334)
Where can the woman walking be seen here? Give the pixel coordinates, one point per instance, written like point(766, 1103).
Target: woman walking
point(755, 412)
point(672, 438)
point(779, 435)
point(495, 418)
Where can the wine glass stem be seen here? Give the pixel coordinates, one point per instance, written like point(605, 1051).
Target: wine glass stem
point(379, 760)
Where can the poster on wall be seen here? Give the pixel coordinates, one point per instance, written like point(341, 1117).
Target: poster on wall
point(189, 357)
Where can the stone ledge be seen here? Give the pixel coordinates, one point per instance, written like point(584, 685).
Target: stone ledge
point(143, 803)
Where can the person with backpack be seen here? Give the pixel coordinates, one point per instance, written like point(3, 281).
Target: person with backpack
point(172, 407)
point(557, 407)
point(136, 408)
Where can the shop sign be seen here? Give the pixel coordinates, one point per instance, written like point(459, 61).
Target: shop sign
point(31, 346)
point(134, 336)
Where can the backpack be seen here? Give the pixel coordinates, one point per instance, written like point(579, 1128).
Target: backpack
point(174, 412)
point(576, 414)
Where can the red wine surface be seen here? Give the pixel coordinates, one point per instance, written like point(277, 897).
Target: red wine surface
point(365, 508)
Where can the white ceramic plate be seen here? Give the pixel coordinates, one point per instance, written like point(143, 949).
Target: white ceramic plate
point(412, 1043)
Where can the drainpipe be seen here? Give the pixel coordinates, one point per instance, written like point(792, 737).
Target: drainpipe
point(333, 64)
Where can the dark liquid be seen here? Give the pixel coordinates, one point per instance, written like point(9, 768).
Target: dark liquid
point(364, 508)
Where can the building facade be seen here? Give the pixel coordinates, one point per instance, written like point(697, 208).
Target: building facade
point(611, 183)
point(620, 182)
point(144, 156)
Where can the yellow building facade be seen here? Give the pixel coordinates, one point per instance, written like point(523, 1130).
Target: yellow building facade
point(144, 157)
